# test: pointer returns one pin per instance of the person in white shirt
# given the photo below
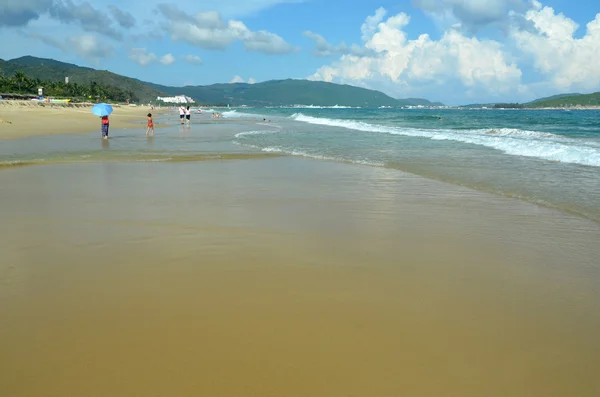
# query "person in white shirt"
(188, 114)
(181, 113)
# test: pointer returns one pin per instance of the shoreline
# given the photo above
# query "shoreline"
(211, 131)
(282, 276)
(21, 119)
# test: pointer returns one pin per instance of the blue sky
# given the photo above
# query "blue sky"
(456, 51)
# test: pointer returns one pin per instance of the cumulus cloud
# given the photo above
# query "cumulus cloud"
(210, 31)
(167, 59)
(142, 57)
(569, 62)
(89, 47)
(237, 79)
(251, 81)
(478, 65)
(193, 59)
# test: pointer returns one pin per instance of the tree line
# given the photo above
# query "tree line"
(20, 83)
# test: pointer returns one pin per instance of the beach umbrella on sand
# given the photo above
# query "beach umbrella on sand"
(102, 109)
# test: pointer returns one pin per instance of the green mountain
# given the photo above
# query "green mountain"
(51, 70)
(282, 93)
(269, 93)
(554, 101)
(563, 101)
(551, 98)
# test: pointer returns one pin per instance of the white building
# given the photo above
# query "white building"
(175, 99)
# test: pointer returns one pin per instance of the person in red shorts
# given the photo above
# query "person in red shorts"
(150, 124)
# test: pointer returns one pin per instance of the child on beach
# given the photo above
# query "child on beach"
(104, 127)
(188, 114)
(150, 124)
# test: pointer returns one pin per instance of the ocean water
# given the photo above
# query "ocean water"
(546, 157)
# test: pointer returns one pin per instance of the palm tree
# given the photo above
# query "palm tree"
(20, 78)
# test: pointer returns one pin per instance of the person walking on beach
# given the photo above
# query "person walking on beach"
(104, 127)
(181, 114)
(150, 124)
(188, 114)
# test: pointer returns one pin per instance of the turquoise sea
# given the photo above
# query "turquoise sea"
(547, 157)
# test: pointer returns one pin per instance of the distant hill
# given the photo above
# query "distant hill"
(478, 106)
(282, 93)
(563, 101)
(269, 93)
(417, 102)
(50, 69)
(554, 101)
(549, 98)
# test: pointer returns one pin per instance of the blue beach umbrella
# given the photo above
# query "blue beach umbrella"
(102, 109)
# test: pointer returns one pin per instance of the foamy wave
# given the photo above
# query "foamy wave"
(318, 107)
(233, 114)
(510, 141)
(248, 133)
(294, 152)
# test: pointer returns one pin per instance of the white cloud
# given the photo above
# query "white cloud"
(86, 46)
(167, 59)
(193, 59)
(142, 57)
(210, 31)
(568, 62)
(239, 79)
(89, 47)
(478, 65)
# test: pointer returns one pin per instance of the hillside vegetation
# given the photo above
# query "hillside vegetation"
(269, 93)
(417, 102)
(567, 101)
(284, 92)
(49, 70)
(20, 83)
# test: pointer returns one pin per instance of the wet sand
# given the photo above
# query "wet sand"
(288, 277)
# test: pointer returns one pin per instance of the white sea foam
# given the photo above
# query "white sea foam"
(510, 141)
(234, 114)
(295, 152)
(318, 107)
(261, 132)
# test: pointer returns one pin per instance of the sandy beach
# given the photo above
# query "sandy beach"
(241, 274)
(20, 119)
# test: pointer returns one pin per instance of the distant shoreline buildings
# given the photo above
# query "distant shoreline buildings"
(175, 99)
